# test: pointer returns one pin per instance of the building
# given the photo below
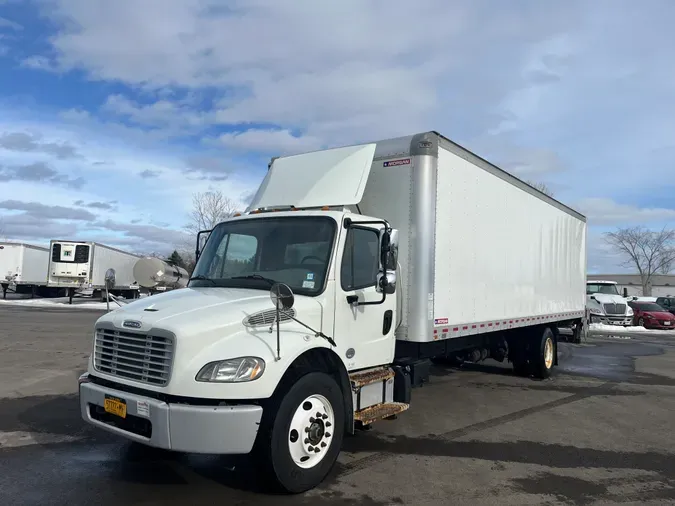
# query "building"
(662, 285)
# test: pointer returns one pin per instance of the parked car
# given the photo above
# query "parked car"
(651, 315)
(667, 303)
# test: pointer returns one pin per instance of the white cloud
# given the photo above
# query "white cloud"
(277, 142)
(8, 23)
(605, 211)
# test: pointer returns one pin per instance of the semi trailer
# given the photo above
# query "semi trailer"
(315, 313)
(23, 267)
(82, 266)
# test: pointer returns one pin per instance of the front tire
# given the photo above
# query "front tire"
(301, 436)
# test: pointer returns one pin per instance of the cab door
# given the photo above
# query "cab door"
(364, 334)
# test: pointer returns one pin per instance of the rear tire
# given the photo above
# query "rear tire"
(310, 414)
(546, 350)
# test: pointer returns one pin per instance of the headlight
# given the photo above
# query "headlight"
(596, 311)
(630, 312)
(234, 370)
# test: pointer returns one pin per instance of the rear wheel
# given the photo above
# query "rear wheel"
(301, 435)
(546, 351)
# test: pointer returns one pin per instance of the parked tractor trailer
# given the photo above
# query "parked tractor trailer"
(315, 313)
(82, 265)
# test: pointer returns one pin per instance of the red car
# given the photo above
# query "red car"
(652, 316)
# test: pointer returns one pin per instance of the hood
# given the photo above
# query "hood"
(605, 298)
(181, 310)
(660, 315)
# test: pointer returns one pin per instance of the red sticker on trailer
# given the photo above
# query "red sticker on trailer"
(394, 163)
(441, 321)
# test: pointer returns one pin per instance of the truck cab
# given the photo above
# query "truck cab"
(606, 305)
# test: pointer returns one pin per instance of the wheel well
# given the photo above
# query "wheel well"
(326, 361)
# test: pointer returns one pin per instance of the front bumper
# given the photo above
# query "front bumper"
(179, 427)
(625, 321)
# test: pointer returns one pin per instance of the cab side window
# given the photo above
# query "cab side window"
(359, 260)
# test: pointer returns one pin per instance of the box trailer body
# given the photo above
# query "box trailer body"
(23, 264)
(83, 265)
(480, 250)
(376, 258)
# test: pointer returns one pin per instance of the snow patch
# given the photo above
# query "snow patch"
(60, 303)
(617, 329)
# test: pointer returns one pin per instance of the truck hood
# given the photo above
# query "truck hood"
(605, 298)
(180, 311)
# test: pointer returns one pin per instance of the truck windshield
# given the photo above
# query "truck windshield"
(291, 250)
(599, 288)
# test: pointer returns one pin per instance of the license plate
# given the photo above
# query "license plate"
(115, 406)
(666, 323)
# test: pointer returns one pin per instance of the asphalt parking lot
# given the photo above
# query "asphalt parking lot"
(598, 432)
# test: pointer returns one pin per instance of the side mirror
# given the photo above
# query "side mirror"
(389, 250)
(386, 282)
(386, 278)
(199, 246)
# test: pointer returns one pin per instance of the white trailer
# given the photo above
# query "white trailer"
(23, 267)
(378, 258)
(82, 266)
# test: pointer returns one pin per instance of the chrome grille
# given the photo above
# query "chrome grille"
(267, 317)
(135, 356)
(619, 309)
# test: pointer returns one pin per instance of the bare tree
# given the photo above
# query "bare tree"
(648, 251)
(542, 187)
(208, 209)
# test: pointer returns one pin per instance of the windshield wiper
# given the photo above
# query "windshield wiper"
(200, 277)
(255, 276)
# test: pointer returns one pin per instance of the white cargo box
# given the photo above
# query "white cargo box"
(23, 264)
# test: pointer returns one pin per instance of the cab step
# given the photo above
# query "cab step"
(373, 395)
(369, 376)
(380, 412)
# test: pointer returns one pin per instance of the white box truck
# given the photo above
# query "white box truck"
(376, 258)
(82, 266)
(22, 267)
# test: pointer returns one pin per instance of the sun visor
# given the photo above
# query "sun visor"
(331, 177)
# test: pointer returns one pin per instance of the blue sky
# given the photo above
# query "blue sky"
(113, 114)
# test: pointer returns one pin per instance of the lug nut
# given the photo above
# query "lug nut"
(306, 429)
(316, 450)
(324, 416)
(312, 420)
(306, 441)
(323, 445)
(328, 424)
(310, 449)
(327, 434)
(318, 414)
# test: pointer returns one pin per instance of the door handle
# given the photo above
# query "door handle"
(352, 299)
(388, 319)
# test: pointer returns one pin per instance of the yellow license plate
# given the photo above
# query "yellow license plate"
(115, 406)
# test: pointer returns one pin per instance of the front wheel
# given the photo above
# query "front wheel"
(301, 437)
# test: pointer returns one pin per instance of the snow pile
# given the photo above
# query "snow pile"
(60, 302)
(617, 329)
